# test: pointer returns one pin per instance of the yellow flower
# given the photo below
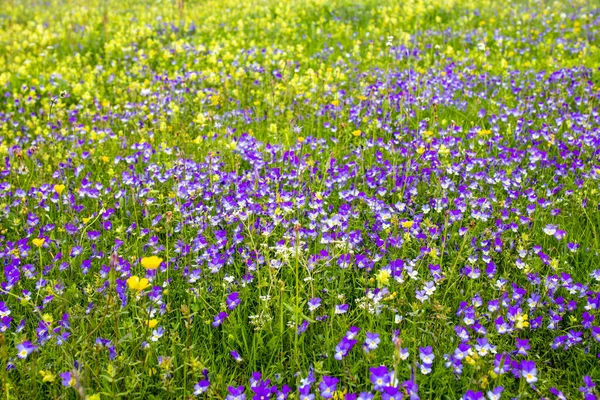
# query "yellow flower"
(48, 318)
(300, 139)
(152, 323)
(135, 283)
(407, 224)
(356, 133)
(59, 189)
(95, 396)
(38, 242)
(383, 277)
(522, 321)
(151, 262)
(420, 150)
(47, 376)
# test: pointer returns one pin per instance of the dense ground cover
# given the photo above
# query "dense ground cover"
(308, 199)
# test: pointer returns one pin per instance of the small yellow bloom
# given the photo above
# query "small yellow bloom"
(484, 382)
(48, 318)
(383, 277)
(47, 376)
(152, 323)
(95, 396)
(356, 133)
(151, 262)
(300, 139)
(85, 220)
(335, 103)
(59, 189)
(407, 224)
(38, 242)
(420, 150)
(135, 283)
(522, 321)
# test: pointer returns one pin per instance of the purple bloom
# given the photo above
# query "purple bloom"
(372, 342)
(559, 395)
(522, 346)
(472, 395)
(588, 386)
(341, 308)
(426, 354)
(379, 377)
(24, 349)
(495, 393)
(67, 379)
(219, 318)
(236, 356)
(302, 327)
(233, 300)
(327, 386)
(313, 304)
(235, 393)
(201, 386)
(343, 348)
(391, 393)
(305, 393)
(352, 332)
(529, 371)
(261, 389)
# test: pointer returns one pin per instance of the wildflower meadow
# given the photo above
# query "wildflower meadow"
(299, 199)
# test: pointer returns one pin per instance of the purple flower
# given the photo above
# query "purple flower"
(352, 332)
(233, 300)
(529, 371)
(24, 349)
(379, 377)
(495, 393)
(4, 310)
(236, 356)
(302, 327)
(588, 385)
(235, 393)
(67, 379)
(426, 354)
(261, 389)
(305, 393)
(391, 393)
(522, 346)
(343, 348)
(501, 364)
(219, 318)
(472, 395)
(327, 386)
(313, 304)
(283, 393)
(559, 395)
(371, 342)
(201, 387)
(341, 308)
